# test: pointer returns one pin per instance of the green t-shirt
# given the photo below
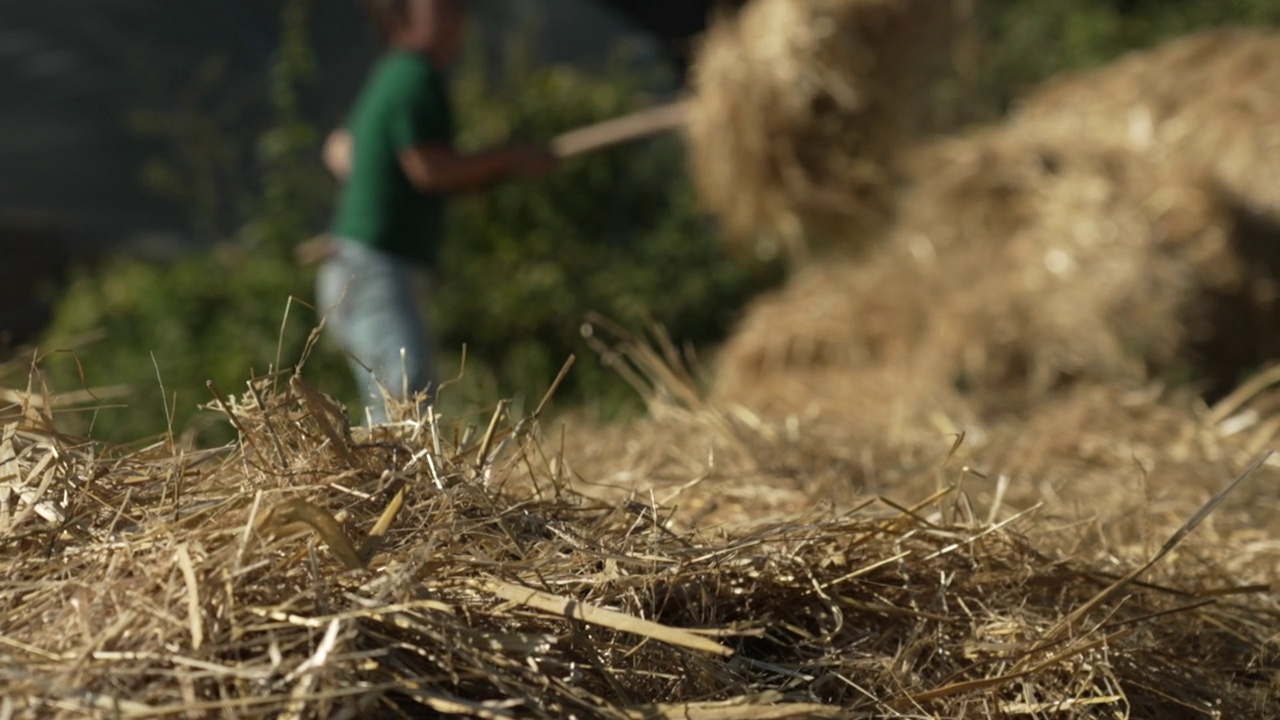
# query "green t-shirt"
(404, 103)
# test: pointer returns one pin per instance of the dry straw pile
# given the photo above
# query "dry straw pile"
(799, 108)
(427, 572)
(1116, 230)
(1023, 263)
(1208, 101)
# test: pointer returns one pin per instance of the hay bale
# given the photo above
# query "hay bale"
(799, 106)
(1209, 101)
(1059, 262)
(1022, 263)
(835, 330)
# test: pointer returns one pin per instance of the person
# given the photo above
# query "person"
(397, 162)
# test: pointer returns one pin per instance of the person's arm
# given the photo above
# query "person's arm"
(441, 169)
(338, 153)
(415, 119)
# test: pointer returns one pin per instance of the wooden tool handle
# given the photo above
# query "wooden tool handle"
(620, 130)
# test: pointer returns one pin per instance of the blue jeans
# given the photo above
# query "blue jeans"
(371, 301)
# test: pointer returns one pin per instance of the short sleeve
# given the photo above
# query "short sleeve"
(417, 111)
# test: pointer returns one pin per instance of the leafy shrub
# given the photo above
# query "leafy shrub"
(1017, 44)
(214, 316)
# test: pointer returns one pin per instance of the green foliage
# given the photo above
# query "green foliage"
(1021, 43)
(295, 190)
(210, 317)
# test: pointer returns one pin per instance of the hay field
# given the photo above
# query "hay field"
(1009, 458)
(701, 563)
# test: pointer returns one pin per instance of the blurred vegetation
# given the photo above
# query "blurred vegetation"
(200, 166)
(617, 232)
(1016, 44)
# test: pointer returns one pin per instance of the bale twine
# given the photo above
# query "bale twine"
(1210, 101)
(798, 107)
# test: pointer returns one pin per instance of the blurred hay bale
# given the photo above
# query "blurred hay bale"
(1025, 261)
(1060, 261)
(799, 106)
(1209, 101)
(837, 330)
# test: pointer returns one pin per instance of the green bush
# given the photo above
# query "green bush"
(1021, 43)
(214, 316)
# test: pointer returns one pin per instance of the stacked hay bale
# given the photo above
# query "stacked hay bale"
(800, 107)
(1060, 261)
(1017, 267)
(1208, 100)
(1024, 257)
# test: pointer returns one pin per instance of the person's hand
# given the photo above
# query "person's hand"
(338, 153)
(533, 161)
